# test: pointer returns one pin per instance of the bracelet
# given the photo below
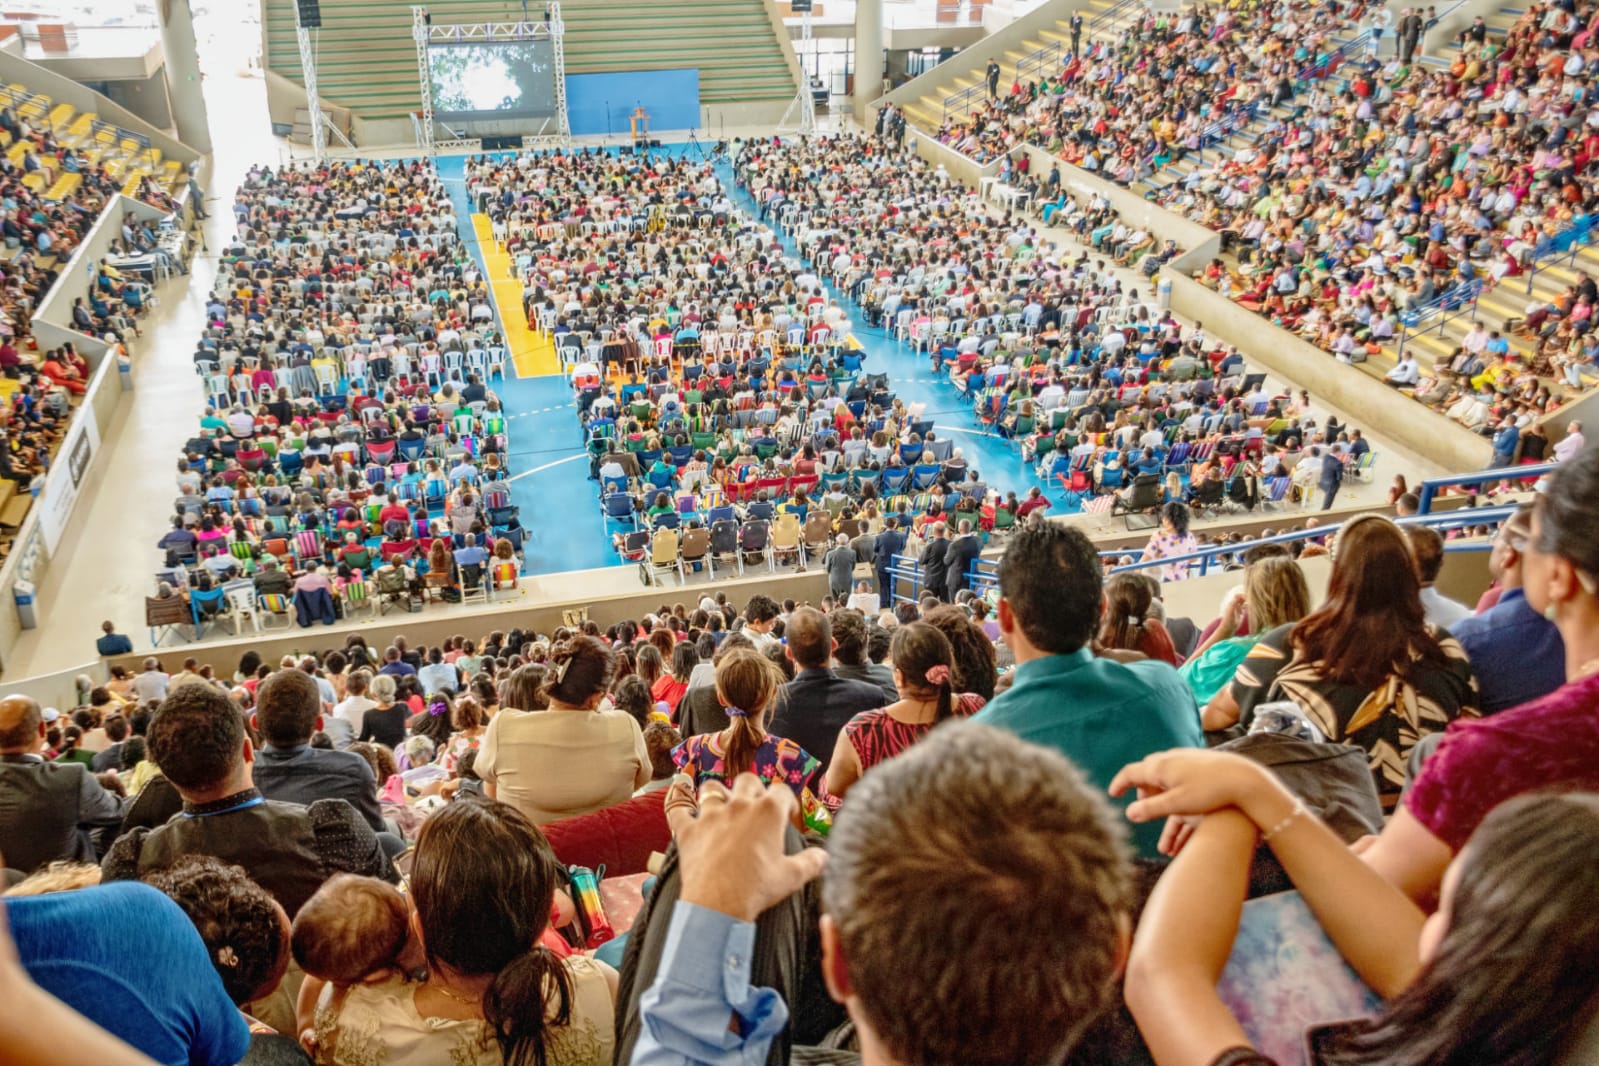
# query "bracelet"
(1299, 809)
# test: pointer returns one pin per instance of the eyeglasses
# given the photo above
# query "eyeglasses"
(1514, 543)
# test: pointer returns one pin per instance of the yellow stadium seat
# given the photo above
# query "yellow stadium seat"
(61, 116)
(34, 181)
(65, 186)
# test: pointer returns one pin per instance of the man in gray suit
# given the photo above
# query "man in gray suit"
(48, 810)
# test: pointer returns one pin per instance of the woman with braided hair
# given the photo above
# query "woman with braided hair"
(924, 672)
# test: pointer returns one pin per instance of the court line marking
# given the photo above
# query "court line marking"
(546, 466)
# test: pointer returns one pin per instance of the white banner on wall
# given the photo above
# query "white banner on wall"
(66, 475)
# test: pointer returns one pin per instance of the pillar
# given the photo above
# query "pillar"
(868, 58)
(186, 94)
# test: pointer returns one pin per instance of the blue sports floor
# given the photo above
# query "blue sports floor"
(559, 504)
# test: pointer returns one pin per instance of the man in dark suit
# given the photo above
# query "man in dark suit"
(993, 78)
(1330, 477)
(47, 809)
(1077, 29)
(890, 542)
(962, 550)
(817, 703)
(935, 561)
(288, 709)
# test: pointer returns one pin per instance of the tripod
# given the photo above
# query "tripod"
(695, 145)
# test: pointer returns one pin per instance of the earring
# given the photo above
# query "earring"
(1549, 612)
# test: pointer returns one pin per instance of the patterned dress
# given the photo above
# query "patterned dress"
(777, 759)
(1387, 722)
(877, 736)
(378, 1025)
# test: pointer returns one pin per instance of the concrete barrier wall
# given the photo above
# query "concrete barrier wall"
(962, 168)
(1441, 441)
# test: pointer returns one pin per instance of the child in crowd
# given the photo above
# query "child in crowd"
(353, 931)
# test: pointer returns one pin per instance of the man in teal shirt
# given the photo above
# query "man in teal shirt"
(1101, 714)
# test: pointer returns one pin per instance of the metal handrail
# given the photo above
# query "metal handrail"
(1429, 489)
(1317, 70)
(983, 573)
(1456, 302)
(1465, 516)
(1565, 245)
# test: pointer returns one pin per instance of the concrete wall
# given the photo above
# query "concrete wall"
(145, 97)
(962, 168)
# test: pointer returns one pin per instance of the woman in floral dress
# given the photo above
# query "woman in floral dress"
(747, 684)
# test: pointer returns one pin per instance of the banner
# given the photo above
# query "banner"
(66, 475)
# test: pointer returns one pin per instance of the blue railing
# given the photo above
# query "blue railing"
(1563, 247)
(983, 573)
(1458, 301)
(1429, 489)
(1325, 65)
(1229, 124)
(1465, 516)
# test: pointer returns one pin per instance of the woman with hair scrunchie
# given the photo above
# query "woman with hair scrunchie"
(924, 673)
(748, 685)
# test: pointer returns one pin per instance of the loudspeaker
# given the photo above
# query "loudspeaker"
(500, 143)
(799, 7)
(309, 12)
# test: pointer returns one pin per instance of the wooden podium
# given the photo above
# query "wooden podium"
(639, 121)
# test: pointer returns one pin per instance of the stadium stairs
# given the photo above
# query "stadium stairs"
(367, 58)
(1048, 31)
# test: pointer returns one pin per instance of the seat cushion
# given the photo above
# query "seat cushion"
(620, 838)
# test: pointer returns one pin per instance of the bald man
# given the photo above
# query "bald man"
(48, 810)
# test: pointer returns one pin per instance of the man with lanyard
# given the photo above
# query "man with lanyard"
(199, 741)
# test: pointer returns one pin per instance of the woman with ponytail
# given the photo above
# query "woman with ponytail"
(747, 686)
(482, 883)
(924, 673)
(1131, 629)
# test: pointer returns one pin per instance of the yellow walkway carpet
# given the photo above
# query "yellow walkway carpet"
(533, 353)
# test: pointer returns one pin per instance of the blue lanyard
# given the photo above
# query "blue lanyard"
(246, 805)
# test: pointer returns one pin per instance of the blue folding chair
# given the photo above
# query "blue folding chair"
(618, 508)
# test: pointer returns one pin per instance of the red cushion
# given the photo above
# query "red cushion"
(619, 838)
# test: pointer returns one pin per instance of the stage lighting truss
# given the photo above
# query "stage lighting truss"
(425, 33)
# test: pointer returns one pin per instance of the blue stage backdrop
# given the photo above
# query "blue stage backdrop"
(672, 97)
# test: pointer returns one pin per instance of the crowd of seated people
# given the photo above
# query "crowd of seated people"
(1386, 189)
(1097, 386)
(1425, 789)
(351, 429)
(716, 386)
(39, 235)
(1125, 107)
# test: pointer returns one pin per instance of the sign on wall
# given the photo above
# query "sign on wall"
(66, 476)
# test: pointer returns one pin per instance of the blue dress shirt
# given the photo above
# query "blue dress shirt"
(703, 983)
